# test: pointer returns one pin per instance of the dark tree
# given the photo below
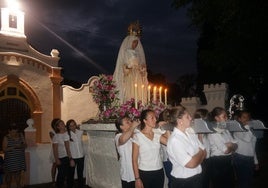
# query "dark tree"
(232, 47)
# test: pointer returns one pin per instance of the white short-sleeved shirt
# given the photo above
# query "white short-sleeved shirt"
(163, 147)
(206, 144)
(246, 142)
(51, 155)
(181, 147)
(149, 151)
(76, 146)
(59, 139)
(125, 153)
(217, 143)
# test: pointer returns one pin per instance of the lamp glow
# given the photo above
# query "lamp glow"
(13, 4)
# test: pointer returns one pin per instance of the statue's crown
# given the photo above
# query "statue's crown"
(134, 29)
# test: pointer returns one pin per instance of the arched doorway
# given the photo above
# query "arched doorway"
(19, 100)
(13, 110)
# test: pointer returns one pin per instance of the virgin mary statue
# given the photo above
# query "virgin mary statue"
(130, 72)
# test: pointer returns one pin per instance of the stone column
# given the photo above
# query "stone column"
(30, 139)
(102, 165)
(30, 134)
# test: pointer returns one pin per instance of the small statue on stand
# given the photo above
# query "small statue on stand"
(30, 123)
(30, 133)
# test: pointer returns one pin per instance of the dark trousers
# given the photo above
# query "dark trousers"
(222, 171)
(126, 184)
(62, 171)
(79, 165)
(244, 168)
(152, 179)
(206, 173)
(168, 168)
(191, 182)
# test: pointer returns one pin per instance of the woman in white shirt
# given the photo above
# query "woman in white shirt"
(123, 142)
(146, 156)
(222, 146)
(245, 159)
(185, 151)
(77, 153)
(61, 151)
(203, 137)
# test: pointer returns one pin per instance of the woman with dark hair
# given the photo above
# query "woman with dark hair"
(14, 155)
(222, 146)
(185, 151)
(77, 153)
(61, 151)
(163, 124)
(245, 158)
(202, 113)
(146, 154)
(123, 142)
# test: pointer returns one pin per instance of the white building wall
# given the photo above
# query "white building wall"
(78, 104)
(216, 95)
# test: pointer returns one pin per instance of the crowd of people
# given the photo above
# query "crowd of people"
(67, 155)
(148, 151)
(209, 160)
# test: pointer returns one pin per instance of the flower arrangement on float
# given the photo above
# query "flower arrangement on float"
(128, 109)
(106, 96)
(104, 93)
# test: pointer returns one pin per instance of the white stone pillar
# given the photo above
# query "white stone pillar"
(101, 163)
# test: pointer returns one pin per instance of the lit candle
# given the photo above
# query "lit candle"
(149, 94)
(160, 94)
(165, 96)
(154, 94)
(142, 97)
(136, 96)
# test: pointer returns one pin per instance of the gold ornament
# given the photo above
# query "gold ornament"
(134, 29)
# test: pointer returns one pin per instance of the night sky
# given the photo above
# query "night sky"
(88, 34)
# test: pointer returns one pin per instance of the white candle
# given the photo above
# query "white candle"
(165, 96)
(154, 94)
(136, 96)
(149, 94)
(160, 94)
(142, 95)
